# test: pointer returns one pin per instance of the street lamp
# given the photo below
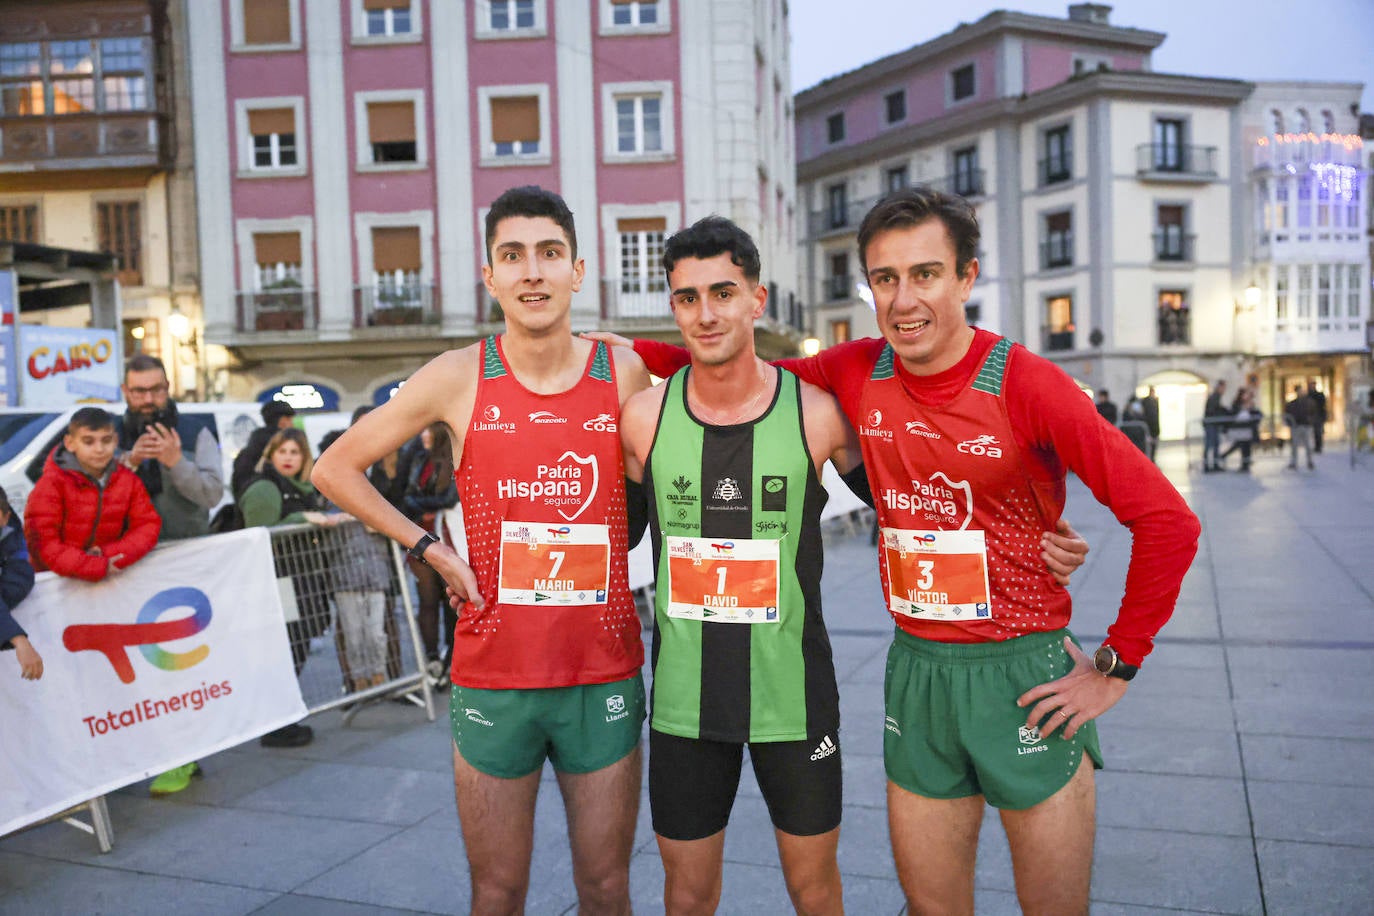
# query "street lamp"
(811, 346)
(1252, 296)
(178, 324)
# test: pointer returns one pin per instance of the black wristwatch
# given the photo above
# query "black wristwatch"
(1109, 663)
(418, 551)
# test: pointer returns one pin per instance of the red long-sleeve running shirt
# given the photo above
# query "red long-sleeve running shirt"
(1056, 429)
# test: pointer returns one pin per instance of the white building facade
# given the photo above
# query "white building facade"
(1114, 201)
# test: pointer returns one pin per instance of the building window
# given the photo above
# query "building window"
(641, 255)
(277, 301)
(266, 22)
(1305, 206)
(1281, 294)
(515, 128)
(968, 179)
(1167, 152)
(19, 224)
(1058, 162)
(398, 292)
(1171, 243)
(1352, 292)
(74, 77)
(961, 83)
(120, 231)
(1057, 250)
(274, 137)
(837, 206)
(894, 103)
(834, 128)
(839, 331)
(391, 132)
(639, 124)
(509, 15)
(1059, 323)
(1324, 291)
(837, 284)
(634, 12)
(387, 17)
(1304, 292)
(1174, 327)
(897, 178)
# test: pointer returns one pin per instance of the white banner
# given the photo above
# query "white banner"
(181, 655)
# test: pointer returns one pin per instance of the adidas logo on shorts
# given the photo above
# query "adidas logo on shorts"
(824, 749)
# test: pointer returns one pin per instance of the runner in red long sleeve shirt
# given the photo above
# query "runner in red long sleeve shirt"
(967, 440)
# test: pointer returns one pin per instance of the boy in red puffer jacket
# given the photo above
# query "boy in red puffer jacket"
(88, 515)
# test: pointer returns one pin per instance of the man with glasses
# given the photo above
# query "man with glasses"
(185, 483)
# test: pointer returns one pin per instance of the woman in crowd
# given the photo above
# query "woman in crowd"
(431, 490)
(280, 493)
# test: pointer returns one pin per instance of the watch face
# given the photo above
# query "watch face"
(1104, 659)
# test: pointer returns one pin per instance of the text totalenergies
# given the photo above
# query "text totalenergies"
(77, 356)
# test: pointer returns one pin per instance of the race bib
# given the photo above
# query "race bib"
(555, 564)
(937, 575)
(723, 580)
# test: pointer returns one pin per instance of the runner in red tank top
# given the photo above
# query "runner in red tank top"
(547, 645)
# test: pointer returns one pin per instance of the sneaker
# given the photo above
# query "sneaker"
(175, 779)
(435, 669)
(295, 735)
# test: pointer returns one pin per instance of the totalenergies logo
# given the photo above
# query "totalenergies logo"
(724, 548)
(78, 356)
(114, 639)
(561, 533)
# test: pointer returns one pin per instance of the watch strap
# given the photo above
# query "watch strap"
(417, 552)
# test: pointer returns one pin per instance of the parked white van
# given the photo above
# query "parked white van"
(29, 434)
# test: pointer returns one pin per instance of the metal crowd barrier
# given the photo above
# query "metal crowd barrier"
(315, 563)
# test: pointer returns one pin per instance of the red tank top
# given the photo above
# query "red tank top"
(542, 487)
(952, 476)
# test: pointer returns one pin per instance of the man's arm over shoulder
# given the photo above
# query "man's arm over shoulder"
(1045, 401)
(201, 480)
(829, 436)
(631, 375)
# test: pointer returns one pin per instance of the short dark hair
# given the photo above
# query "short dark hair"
(4, 502)
(92, 418)
(274, 410)
(913, 206)
(142, 363)
(711, 236)
(531, 200)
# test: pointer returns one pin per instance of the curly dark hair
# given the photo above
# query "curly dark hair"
(531, 200)
(708, 237)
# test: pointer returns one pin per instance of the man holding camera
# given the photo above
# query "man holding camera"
(183, 483)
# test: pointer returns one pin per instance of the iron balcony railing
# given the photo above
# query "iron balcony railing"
(1177, 159)
(391, 304)
(286, 308)
(1170, 245)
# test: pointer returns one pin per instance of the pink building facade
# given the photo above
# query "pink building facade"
(347, 150)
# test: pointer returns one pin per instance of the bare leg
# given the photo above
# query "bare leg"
(692, 874)
(812, 871)
(1052, 847)
(497, 817)
(602, 807)
(934, 842)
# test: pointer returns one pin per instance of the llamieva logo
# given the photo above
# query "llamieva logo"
(114, 639)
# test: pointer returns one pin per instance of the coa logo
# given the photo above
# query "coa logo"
(984, 445)
(603, 423)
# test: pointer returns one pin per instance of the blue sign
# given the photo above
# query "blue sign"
(302, 396)
(387, 392)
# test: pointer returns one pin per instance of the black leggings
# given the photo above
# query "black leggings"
(431, 589)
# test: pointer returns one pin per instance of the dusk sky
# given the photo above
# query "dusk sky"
(1323, 40)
